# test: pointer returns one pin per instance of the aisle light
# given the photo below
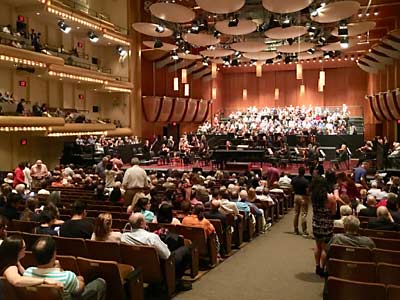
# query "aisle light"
(320, 86)
(322, 77)
(244, 94)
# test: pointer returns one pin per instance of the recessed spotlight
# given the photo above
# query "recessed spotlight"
(93, 37)
(38, 13)
(344, 42)
(160, 28)
(174, 55)
(63, 26)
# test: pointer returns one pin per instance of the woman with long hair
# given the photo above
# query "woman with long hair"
(12, 250)
(103, 229)
(165, 215)
(143, 206)
(324, 208)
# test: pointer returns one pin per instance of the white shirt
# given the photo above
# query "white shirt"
(135, 177)
(143, 237)
(228, 207)
(28, 178)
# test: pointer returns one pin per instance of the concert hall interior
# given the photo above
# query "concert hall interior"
(171, 147)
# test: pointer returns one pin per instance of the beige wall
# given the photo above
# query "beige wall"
(12, 152)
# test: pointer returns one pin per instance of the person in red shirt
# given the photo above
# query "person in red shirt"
(19, 176)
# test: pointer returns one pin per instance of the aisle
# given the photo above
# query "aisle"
(277, 265)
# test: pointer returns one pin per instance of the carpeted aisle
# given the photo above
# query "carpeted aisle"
(277, 265)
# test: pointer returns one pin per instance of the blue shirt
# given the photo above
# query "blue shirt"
(359, 172)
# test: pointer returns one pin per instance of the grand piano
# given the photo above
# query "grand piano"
(221, 157)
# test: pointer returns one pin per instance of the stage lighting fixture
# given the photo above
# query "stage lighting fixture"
(160, 28)
(263, 27)
(205, 61)
(312, 30)
(203, 24)
(279, 56)
(253, 62)
(328, 54)
(158, 44)
(212, 47)
(290, 41)
(174, 55)
(235, 62)
(311, 51)
(238, 54)
(287, 59)
(344, 42)
(122, 52)
(286, 22)
(343, 29)
(233, 22)
(217, 34)
(93, 37)
(314, 11)
(63, 26)
(322, 40)
(195, 28)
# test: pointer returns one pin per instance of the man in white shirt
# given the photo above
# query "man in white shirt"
(39, 172)
(135, 181)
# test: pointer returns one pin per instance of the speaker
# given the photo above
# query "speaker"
(195, 170)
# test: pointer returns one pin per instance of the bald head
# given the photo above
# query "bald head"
(215, 204)
(137, 221)
(383, 212)
(371, 200)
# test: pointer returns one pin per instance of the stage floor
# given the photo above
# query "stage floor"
(291, 169)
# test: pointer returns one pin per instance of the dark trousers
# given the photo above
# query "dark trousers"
(183, 259)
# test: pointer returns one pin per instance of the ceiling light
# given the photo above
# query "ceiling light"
(279, 56)
(212, 47)
(376, 13)
(174, 55)
(290, 41)
(238, 54)
(158, 44)
(286, 22)
(235, 62)
(233, 22)
(263, 27)
(93, 37)
(160, 28)
(269, 61)
(195, 28)
(253, 62)
(203, 25)
(63, 26)
(205, 61)
(314, 11)
(226, 60)
(322, 40)
(311, 51)
(122, 52)
(328, 54)
(344, 42)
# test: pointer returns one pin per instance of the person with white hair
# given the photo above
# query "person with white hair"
(345, 210)
(384, 221)
(377, 192)
(39, 173)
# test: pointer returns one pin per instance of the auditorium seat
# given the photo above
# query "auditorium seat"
(392, 292)
(342, 289)
(389, 244)
(47, 292)
(71, 246)
(154, 270)
(111, 272)
(66, 262)
(224, 236)
(350, 253)
(388, 274)
(381, 234)
(23, 226)
(30, 239)
(386, 256)
(352, 270)
(103, 250)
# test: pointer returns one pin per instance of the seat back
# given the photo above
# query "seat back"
(23, 226)
(354, 290)
(30, 239)
(28, 260)
(350, 253)
(196, 235)
(103, 250)
(69, 263)
(388, 273)
(144, 257)
(381, 234)
(386, 256)
(7, 290)
(48, 292)
(71, 246)
(392, 292)
(352, 270)
(91, 269)
(389, 244)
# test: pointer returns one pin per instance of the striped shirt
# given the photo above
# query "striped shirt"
(67, 278)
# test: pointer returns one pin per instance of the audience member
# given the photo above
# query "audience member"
(78, 226)
(370, 211)
(345, 210)
(384, 221)
(301, 201)
(135, 181)
(197, 219)
(103, 229)
(165, 215)
(46, 220)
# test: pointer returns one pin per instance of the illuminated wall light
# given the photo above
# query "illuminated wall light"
(276, 94)
(117, 89)
(302, 90)
(320, 86)
(176, 84)
(214, 93)
(299, 71)
(245, 94)
(214, 70)
(184, 75)
(322, 77)
(187, 90)
(258, 70)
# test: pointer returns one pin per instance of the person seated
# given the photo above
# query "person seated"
(345, 210)
(143, 206)
(197, 219)
(384, 221)
(140, 236)
(46, 220)
(351, 237)
(165, 215)
(29, 213)
(370, 211)
(241, 206)
(3, 227)
(12, 250)
(284, 181)
(44, 251)
(78, 226)
(215, 214)
(392, 205)
(103, 229)
(375, 191)
(10, 210)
